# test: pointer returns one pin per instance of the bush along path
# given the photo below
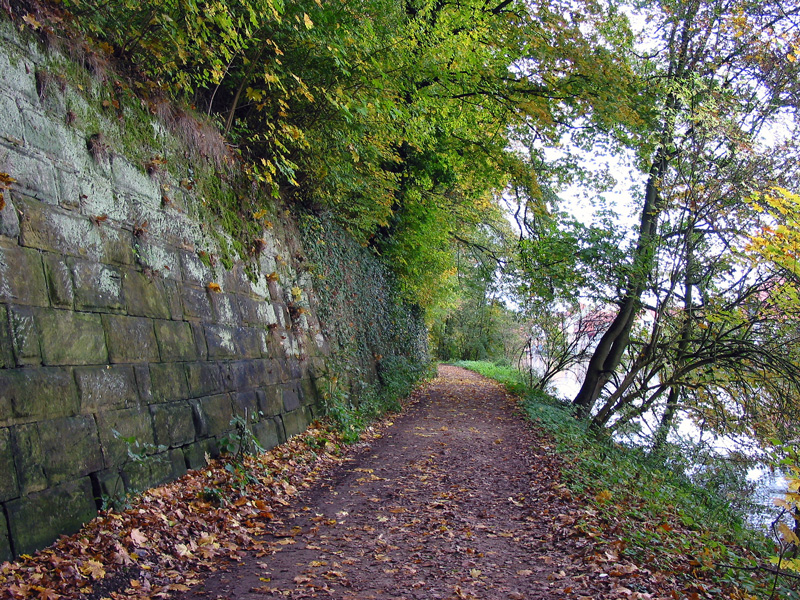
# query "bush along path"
(460, 497)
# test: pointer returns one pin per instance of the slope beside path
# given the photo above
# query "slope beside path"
(460, 498)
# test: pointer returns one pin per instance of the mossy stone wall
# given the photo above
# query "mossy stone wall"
(122, 313)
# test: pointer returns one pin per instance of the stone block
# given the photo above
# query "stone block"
(99, 199)
(62, 509)
(308, 392)
(256, 312)
(296, 421)
(28, 458)
(97, 286)
(54, 230)
(69, 191)
(234, 279)
(22, 277)
(145, 296)
(18, 75)
(130, 178)
(248, 374)
(196, 305)
(266, 432)
(177, 464)
(9, 484)
(290, 397)
(6, 353)
(36, 393)
(9, 219)
(72, 448)
(109, 489)
(172, 290)
(249, 342)
(221, 342)
(270, 402)
(213, 415)
(194, 455)
(173, 424)
(159, 259)
(106, 388)
(194, 271)
(168, 382)
(124, 430)
(5, 544)
(204, 378)
(130, 339)
(117, 247)
(146, 473)
(199, 334)
(35, 176)
(144, 382)
(280, 428)
(10, 118)
(59, 281)
(226, 309)
(175, 340)
(43, 133)
(71, 338)
(246, 404)
(25, 341)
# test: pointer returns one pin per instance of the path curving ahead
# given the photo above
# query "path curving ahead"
(458, 499)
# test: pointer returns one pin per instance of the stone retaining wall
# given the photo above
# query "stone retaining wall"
(116, 331)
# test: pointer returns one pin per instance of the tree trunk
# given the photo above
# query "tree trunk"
(608, 354)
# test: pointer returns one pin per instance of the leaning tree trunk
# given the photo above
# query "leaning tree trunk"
(608, 354)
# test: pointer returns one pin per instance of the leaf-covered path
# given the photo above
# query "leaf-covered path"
(460, 498)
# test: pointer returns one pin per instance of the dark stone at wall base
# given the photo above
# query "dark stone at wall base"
(269, 400)
(6, 355)
(5, 543)
(62, 509)
(28, 458)
(266, 432)
(135, 429)
(173, 424)
(245, 404)
(71, 446)
(194, 456)
(109, 489)
(146, 473)
(9, 485)
(291, 399)
(213, 415)
(296, 422)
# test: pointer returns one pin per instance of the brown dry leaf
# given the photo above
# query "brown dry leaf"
(138, 538)
(94, 569)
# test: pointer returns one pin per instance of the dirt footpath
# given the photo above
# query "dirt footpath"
(458, 499)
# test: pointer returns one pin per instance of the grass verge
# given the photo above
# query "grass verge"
(652, 514)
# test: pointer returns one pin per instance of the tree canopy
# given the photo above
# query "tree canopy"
(416, 124)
